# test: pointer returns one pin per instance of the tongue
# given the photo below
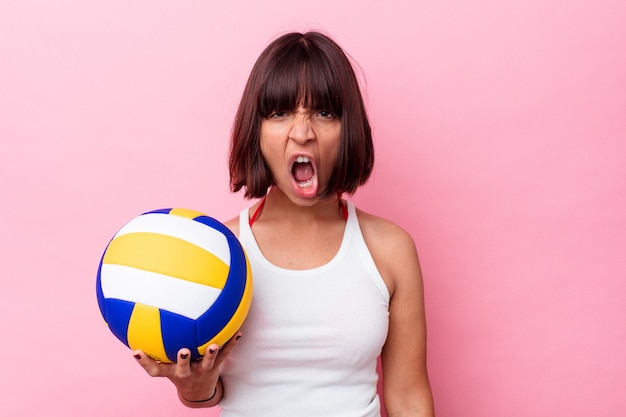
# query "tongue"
(302, 172)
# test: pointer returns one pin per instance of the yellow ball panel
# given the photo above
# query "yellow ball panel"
(168, 256)
(144, 332)
(186, 213)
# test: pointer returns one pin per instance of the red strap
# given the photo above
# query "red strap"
(257, 211)
(344, 208)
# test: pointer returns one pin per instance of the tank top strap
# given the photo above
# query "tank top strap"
(349, 211)
(245, 232)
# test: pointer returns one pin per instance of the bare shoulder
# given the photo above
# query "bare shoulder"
(392, 248)
(375, 228)
(233, 225)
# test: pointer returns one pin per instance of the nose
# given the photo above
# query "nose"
(301, 130)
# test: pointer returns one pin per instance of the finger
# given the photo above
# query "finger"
(230, 344)
(208, 360)
(228, 348)
(151, 366)
(182, 368)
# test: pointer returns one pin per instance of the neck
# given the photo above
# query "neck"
(277, 206)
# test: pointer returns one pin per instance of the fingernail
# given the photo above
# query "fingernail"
(137, 356)
(184, 355)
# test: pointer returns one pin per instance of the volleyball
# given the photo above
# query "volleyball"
(174, 278)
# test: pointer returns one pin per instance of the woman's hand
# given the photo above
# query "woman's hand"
(198, 382)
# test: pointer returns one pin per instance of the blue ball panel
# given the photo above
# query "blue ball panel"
(99, 293)
(160, 211)
(118, 314)
(215, 224)
(221, 312)
(178, 332)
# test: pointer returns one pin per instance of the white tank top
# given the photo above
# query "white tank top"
(312, 337)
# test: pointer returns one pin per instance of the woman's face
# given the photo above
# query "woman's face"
(300, 148)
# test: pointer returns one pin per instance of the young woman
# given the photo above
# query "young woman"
(335, 287)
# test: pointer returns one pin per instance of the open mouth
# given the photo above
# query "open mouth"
(304, 178)
(303, 171)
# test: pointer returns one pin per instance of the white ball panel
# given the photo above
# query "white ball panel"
(194, 232)
(179, 296)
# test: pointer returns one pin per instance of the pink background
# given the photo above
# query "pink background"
(501, 146)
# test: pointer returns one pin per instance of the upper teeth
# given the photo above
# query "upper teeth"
(302, 160)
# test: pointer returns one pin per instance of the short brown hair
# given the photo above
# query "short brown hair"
(308, 68)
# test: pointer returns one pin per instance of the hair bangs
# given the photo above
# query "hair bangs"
(301, 76)
(321, 88)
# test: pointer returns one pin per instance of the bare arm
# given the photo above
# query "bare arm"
(406, 388)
